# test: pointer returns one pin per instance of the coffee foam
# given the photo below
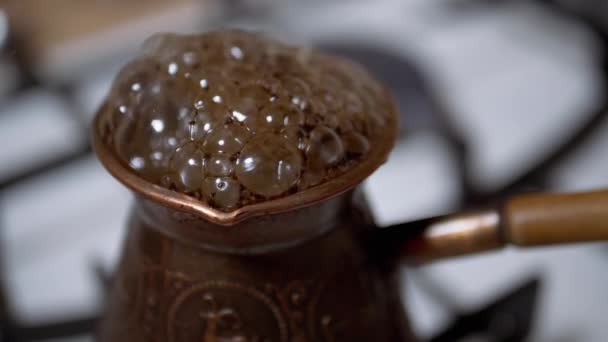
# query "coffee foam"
(234, 118)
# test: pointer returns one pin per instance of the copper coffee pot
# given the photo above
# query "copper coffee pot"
(294, 259)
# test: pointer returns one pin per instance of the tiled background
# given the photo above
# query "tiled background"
(514, 78)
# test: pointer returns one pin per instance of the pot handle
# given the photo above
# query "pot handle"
(524, 220)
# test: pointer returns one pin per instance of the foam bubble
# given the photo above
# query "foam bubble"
(234, 117)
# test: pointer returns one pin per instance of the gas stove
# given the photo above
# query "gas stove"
(496, 98)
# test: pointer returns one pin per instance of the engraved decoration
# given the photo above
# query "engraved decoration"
(225, 311)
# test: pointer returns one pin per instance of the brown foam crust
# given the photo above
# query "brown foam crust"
(235, 118)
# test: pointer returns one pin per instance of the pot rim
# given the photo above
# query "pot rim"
(376, 156)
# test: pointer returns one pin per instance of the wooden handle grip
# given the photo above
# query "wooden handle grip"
(544, 219)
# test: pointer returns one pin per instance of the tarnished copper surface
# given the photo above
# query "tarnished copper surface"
(456, 235)
(441, 237)
(327, 289)
(256, 235)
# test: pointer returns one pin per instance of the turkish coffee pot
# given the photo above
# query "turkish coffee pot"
(245, 156)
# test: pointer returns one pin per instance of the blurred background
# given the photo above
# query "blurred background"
(497, 97)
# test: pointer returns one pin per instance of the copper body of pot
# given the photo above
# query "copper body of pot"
(310, 266)
(171, 288)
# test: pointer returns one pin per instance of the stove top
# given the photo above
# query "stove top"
(496, 98)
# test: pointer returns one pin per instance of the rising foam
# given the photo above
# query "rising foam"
(234, 118)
